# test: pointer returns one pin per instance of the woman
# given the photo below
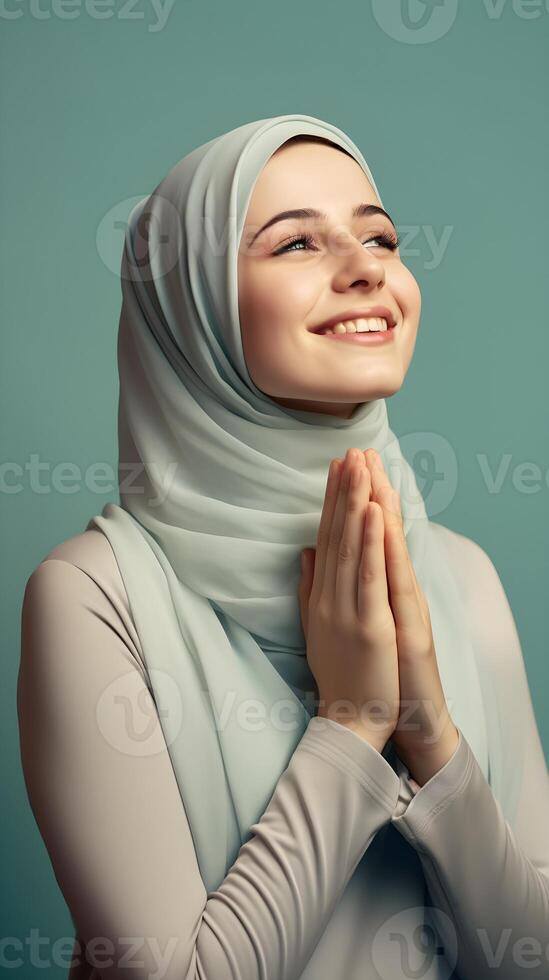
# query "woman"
(240, 769)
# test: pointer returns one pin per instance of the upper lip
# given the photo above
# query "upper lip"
(378, 311)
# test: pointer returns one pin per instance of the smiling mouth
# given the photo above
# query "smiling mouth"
(378, 317)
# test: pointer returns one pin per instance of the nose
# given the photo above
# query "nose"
(359, 266)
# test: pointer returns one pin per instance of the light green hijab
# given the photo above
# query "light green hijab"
(221, 489)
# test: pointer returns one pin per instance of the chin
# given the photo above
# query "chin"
(383, 391)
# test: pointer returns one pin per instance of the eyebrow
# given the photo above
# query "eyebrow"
(306, 214)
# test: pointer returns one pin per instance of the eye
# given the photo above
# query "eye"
(390, 241)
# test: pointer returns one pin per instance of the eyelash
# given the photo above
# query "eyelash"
(391, 242)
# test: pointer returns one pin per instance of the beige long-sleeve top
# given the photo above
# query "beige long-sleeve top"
(347, 876)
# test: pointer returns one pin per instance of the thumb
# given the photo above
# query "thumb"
(305, 585)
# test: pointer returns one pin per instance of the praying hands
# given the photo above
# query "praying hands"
(367, 623)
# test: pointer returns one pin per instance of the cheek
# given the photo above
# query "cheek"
(258, 311)
(271, 302)
(406, 291)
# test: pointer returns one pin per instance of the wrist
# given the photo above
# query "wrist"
(374, 737)
(423, 765)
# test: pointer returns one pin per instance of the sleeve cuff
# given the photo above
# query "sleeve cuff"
(418, 805)
(349, 751)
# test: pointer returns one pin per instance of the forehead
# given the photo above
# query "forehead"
(309, 175)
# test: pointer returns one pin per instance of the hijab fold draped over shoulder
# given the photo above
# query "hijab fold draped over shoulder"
(221, 489)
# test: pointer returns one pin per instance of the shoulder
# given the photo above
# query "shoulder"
(81, 564)
(89, 551)
(76, 589)
(470, 563)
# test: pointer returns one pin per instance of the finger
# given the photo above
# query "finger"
(398, 528)
(403, 591)
(326, 518)
(350, 545)
(380, 480)
(336, 529)
(388, 498)
(394, 526)
(373, 597)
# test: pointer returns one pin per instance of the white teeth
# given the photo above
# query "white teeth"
(372, 324)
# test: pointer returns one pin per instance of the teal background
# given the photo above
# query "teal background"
(96, 111)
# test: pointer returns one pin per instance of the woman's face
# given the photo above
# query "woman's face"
(345, 267)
